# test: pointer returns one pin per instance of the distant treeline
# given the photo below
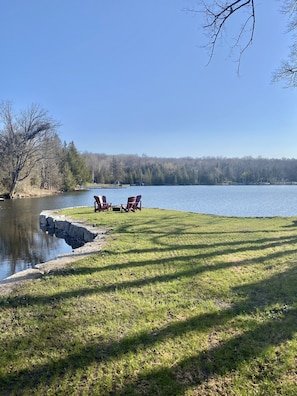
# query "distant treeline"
(64, 168)
(133, 169)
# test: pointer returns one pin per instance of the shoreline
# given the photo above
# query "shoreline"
(15, 281)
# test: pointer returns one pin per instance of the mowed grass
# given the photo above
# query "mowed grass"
(174, 304)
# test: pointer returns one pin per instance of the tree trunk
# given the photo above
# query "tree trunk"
(13, 186)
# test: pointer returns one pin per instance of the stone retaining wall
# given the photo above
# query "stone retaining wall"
(92, 239)
(63, 227)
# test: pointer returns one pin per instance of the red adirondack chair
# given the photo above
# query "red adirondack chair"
(138, 203)
(100, 203)
(133, 204)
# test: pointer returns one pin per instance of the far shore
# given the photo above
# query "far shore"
(32, 193)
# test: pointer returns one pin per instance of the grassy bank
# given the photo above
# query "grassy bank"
(175, 304)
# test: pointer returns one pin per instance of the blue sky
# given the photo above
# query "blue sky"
(130, 77)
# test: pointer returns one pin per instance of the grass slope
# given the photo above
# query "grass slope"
(175, 304)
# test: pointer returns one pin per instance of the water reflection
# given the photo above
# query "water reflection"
(22, 243)
(71, 241)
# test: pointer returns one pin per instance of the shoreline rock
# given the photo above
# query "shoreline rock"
(92, 237)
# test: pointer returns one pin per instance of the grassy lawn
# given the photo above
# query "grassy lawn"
(175, 304)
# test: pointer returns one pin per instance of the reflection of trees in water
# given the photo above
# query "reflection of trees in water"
(22, 243)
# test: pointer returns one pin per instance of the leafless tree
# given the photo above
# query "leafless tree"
(219, 14)
(25, 140)
(288, 68)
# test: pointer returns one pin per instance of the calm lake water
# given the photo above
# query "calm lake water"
(23, 244)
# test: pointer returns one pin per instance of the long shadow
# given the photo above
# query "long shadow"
(116, 286)
(255, 244)
(137, 283)
(200, 366)
(265, 243)
(197, 369)
(292, 225)
(156, 236)
(180, 230)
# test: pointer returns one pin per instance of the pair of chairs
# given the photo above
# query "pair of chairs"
(133, 204)
(100, 203)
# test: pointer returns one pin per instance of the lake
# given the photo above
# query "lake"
(23, 244)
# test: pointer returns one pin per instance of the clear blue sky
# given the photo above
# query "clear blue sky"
(130, 77)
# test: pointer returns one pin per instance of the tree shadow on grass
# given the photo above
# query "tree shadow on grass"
(278, 326)
(187, 272)
(217, 360)
(183, 270)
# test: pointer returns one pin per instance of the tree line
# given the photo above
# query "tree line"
(133, 169)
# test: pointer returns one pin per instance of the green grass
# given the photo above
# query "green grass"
(174, 304)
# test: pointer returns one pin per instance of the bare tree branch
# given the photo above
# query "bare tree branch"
(219, 14)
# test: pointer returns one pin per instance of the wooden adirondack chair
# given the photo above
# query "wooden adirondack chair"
(130, 204)
(138, 203)
(133, 204)
(100, 203)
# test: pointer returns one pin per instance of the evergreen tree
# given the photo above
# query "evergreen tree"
(73, 168)
(77, 165)
(68, 181)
